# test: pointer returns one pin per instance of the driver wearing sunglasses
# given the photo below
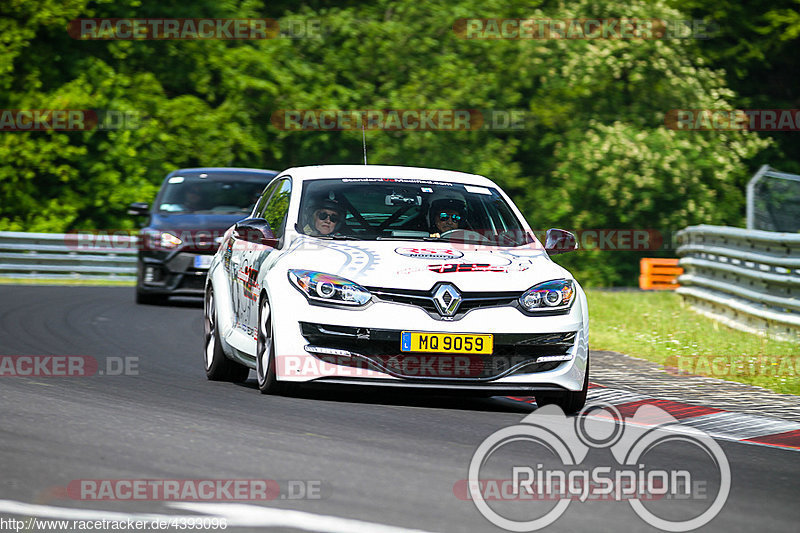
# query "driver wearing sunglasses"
(326, 218)
(448, 220)
(446, 215)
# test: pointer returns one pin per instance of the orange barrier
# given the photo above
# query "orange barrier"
(659, 274)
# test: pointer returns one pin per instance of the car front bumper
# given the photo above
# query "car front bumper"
(176, 274)
(362, 347)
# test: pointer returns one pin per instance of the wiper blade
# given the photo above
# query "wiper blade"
(393, 238)
(337, 237)
(411, 238)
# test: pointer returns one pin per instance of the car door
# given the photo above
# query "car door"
(257, 256)
(238, 271)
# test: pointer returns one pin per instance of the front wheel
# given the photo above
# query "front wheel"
(265, 352)
(144, 298)
(218, 366)
(569, 402)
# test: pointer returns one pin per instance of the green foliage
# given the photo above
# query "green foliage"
(596, 155)
(756, 45)
(659, 327)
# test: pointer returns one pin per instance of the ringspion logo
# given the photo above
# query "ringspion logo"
(640, 474)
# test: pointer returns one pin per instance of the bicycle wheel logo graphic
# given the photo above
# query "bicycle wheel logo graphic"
(569, 440)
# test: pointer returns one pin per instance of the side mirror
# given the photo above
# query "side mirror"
(139, 209)
(559, 242)
(255, 230)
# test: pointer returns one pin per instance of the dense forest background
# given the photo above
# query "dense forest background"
(597, 153)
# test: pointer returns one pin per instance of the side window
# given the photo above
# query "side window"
(262, 201)
(278, 206)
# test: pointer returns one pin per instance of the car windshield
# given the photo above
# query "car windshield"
(398, 209)
(209, 195)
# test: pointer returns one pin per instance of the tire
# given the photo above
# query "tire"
(144, 298)
(218, 366)
(569, 402)
(265, 353)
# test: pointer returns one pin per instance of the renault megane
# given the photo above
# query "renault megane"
(386, 276)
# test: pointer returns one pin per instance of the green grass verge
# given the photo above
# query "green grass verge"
(87, 282)
(656, 326)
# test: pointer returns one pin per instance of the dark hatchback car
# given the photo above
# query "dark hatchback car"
(193, 209)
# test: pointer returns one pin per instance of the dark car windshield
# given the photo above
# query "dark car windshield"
(385, 209)
(209, 195)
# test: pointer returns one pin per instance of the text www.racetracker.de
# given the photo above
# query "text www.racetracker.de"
(182, 522)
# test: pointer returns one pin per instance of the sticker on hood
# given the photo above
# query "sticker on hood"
(429, 253)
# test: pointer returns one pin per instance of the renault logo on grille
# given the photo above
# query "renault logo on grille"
(447, 298)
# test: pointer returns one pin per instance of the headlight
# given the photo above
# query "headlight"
(556, 295)
(168, 240)
(321, 287)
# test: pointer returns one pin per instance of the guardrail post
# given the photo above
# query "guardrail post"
(747, 279)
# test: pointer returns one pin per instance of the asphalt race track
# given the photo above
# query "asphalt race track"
(378, 460)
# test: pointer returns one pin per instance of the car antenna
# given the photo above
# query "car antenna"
(364, 140)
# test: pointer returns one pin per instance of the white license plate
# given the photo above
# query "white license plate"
(203, 261)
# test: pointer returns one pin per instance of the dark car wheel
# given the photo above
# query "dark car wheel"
(150, 299)
(218, 366)
(265, 353)
(570, 402)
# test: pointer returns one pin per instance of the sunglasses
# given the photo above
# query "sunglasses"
(445, 216)
(322, 215)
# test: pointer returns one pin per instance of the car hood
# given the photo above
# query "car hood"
(420, 265)
(190, 222)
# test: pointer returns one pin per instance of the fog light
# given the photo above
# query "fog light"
(149, 274)
(153, 275)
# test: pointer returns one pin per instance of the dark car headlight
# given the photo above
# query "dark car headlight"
(321, 287)
(160, 240)
(556, 295)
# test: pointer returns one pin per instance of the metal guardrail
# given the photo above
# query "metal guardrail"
(772, 200)
(748, 279)
(66, 256)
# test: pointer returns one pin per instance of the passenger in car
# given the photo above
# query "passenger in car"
(325, 217)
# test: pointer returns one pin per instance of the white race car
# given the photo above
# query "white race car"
(388, 276)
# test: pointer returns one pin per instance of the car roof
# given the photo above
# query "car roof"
(255, 174)
(385, 172)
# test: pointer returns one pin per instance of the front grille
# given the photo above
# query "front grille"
(153, 275)
(194, 281)
(379, 349)
(424, 300)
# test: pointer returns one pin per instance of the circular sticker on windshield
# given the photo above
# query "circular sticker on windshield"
(429, 253)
